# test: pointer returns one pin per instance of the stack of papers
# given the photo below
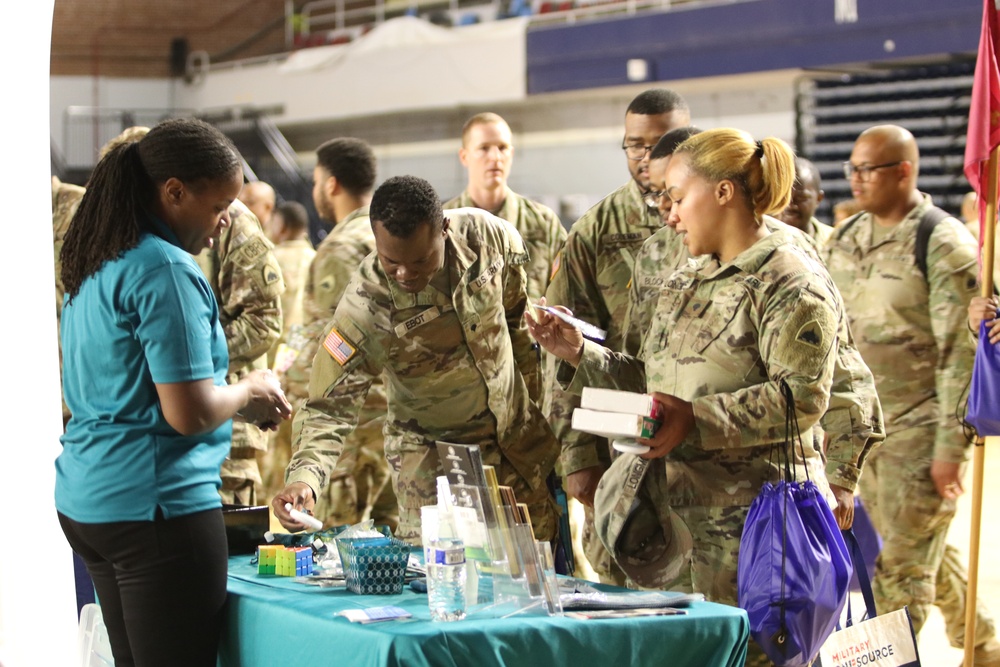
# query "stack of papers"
(374, 614)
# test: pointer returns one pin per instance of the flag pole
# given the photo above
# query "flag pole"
(979, 450)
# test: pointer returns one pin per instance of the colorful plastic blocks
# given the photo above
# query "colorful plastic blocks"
(284, 561)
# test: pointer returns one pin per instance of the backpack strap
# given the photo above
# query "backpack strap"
(841, 230)
(928, 221)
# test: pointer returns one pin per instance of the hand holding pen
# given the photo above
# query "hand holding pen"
(556, 335)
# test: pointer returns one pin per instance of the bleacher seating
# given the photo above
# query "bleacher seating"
(932, 101)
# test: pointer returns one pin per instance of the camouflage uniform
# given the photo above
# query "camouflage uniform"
(818, 232)
(722, 337)
(456, 368)
(540, 228)
(65, 200)
(361, 479)
(247, 283)
(294, 258)
(853, 422)
(543, 236)
(912, 332)
(591, 278)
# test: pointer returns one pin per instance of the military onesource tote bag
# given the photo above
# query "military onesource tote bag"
(877, 641)
(794, 569)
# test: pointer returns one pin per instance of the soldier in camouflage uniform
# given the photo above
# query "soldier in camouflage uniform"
(437, 312)
(245, 277)
(343, 180)
(259, 197)
(487, 153)
(591, 278)
(65, 200)
(288, 230)
(912, 332)
(806, 196)
(753, 310)
(852, 427)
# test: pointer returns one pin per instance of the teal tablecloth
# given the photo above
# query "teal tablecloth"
(274, 621)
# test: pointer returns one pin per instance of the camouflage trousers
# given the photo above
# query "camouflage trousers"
(597, 555)
(916, 568)
(360, 486)
(272, 463)
(240, 478)
(712, 566)
(241, 482)
(415, 468)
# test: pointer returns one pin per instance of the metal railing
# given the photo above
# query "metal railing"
(349, 18)
(262, 145)
(87, 129)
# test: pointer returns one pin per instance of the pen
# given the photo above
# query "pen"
(586, 328)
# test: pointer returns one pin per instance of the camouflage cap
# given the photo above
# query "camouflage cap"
(647, 539)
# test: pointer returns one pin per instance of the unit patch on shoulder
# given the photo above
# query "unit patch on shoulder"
(271, 274)
(339, 348)
(810, 333)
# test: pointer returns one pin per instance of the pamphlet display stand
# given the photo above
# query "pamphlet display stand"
(509, 573)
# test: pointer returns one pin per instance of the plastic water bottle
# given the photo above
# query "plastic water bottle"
(445, 560)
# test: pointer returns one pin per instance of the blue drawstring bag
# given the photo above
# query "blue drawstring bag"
(794, 568)
(869, 542)
(983, 413)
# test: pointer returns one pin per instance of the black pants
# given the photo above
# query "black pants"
(161, 585)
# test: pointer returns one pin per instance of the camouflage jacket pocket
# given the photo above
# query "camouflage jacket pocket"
(717, 317)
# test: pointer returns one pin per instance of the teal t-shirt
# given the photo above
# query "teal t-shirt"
(146, 317)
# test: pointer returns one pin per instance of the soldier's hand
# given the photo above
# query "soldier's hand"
(553, 334)
(678, 422)
(845, 506)
(984, 309)
(301, 497)
(582, 484)
(947, 479)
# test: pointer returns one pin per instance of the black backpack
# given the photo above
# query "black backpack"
(928, 221)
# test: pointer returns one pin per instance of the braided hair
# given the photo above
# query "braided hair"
(123, 187)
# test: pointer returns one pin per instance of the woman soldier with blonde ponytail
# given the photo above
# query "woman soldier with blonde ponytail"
(750, 310)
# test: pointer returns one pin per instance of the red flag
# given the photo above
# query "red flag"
(984, 111)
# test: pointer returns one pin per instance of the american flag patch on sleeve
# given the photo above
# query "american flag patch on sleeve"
(338, 348)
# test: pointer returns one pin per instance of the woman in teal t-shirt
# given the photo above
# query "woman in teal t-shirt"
(144, 376)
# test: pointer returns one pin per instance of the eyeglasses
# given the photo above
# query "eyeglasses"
(636, 151)
(654, 198)
(865, 172)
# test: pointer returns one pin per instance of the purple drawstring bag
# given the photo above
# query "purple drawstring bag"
(794, 568)
(983, 412)
(869, 543)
